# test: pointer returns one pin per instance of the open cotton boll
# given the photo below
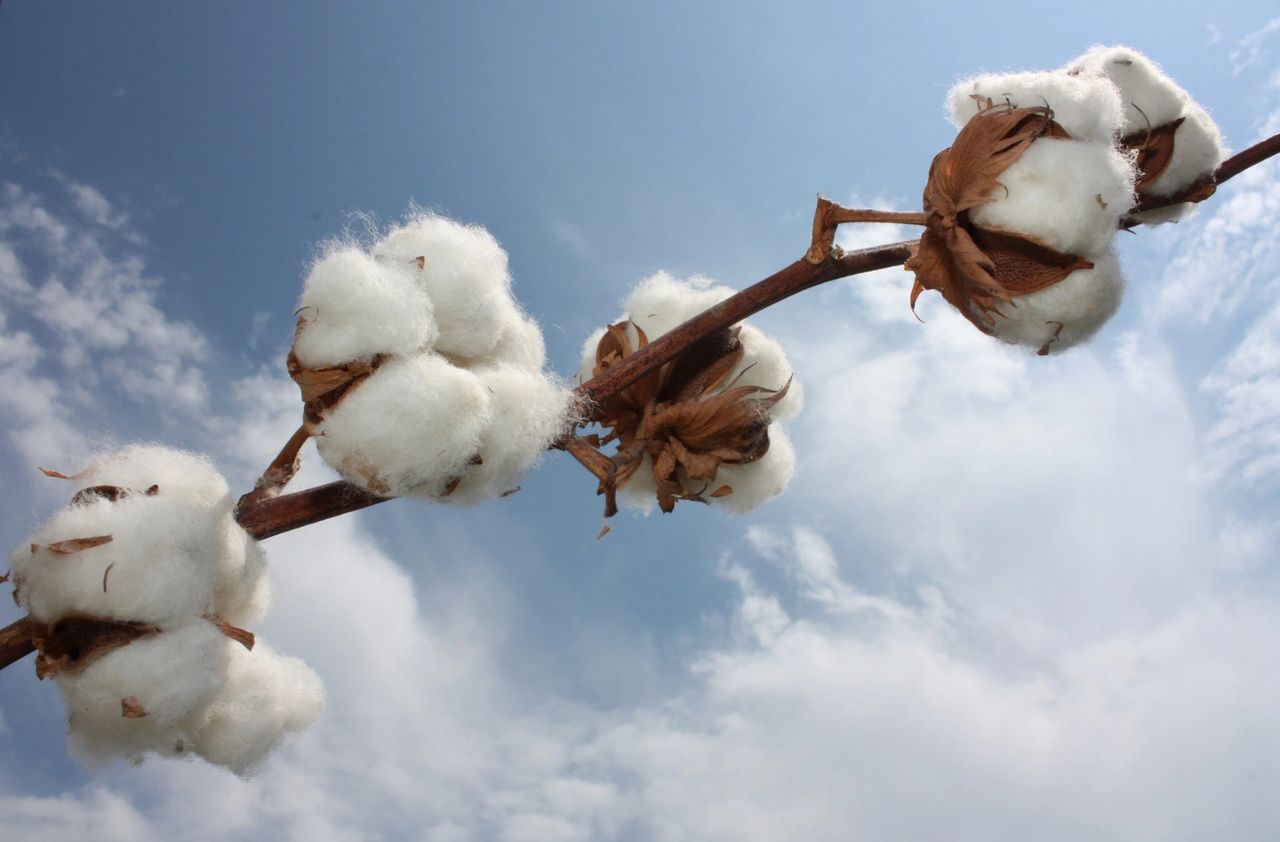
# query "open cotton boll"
(760, 481)
(1068, 194)
(266, 697)
(160, 566)
(354, 307)
(170, 676)
(1067, 313)
(1148, 96)
(764, 363)
(529, 411)
(662, 302)
(1087, 107)
(408, 429)
(464, 271)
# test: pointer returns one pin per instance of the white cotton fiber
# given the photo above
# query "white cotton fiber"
(353, 307)
(1081, 303)
(528, 412)
(174, 552)
(1068, 194)
(1087, 107)
(520, 344)
(464, 272)
(1149, 97)
(160, 567)
(661, 302)
(764, 363)
(409, 429)
(266, 697)
(171, 676)
(760, 481)
(1198, 150)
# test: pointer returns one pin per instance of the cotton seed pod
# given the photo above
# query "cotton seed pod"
(354, 307)
(409, 429)
(1065, 314)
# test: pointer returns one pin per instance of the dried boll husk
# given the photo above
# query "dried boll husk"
(354, 307)
(1065, 314)
(410, 429)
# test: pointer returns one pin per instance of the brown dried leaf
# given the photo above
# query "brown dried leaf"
(722, 491)
(114, 493)
(73, 545)
(56, 474)
(74, 641)
(1155, 150)
(105, 574)
(324, 388)
(604, 530)
(509, 492)
(1022, 265)
(702, 366)
(244, 637)
(131, 708)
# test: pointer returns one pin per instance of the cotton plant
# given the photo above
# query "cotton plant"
(1021, 212)
(137, 595)
(705, 427)
(421, 375)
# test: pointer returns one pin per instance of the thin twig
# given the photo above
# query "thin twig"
(15, 641)
(280, 471)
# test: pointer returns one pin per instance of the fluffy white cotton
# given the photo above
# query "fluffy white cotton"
(464, 272)
(1068, 194)
(1087, 107)
(1198, 149)
(1066, 313)
(528, 412)
(521, 345)
(160, 566)
(171, 675)
(265, 698)
(662, 302)
(353, 307)
(760, 481)
(408, 430)
(175, 548)
(764, 363)
(1149, 97)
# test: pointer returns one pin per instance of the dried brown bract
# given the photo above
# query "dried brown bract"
(684, 416)
(977, 268)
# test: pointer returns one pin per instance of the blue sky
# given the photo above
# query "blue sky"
(1005, 597)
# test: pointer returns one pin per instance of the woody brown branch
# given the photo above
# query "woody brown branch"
(266, 518)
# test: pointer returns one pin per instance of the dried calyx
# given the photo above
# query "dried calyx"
(687, 416)
(976, 268)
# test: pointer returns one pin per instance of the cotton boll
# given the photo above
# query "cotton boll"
(1081, 303)
(354, 307)
(160, 567)
(529, 411)
(1087, 107)
(266, 697)
(1068, 194)
(757, 482)
(171, 675)
(1149, 97)
(1198, 150)
(464, 271)
(660, 303)
(409, 428)
(764, 363)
